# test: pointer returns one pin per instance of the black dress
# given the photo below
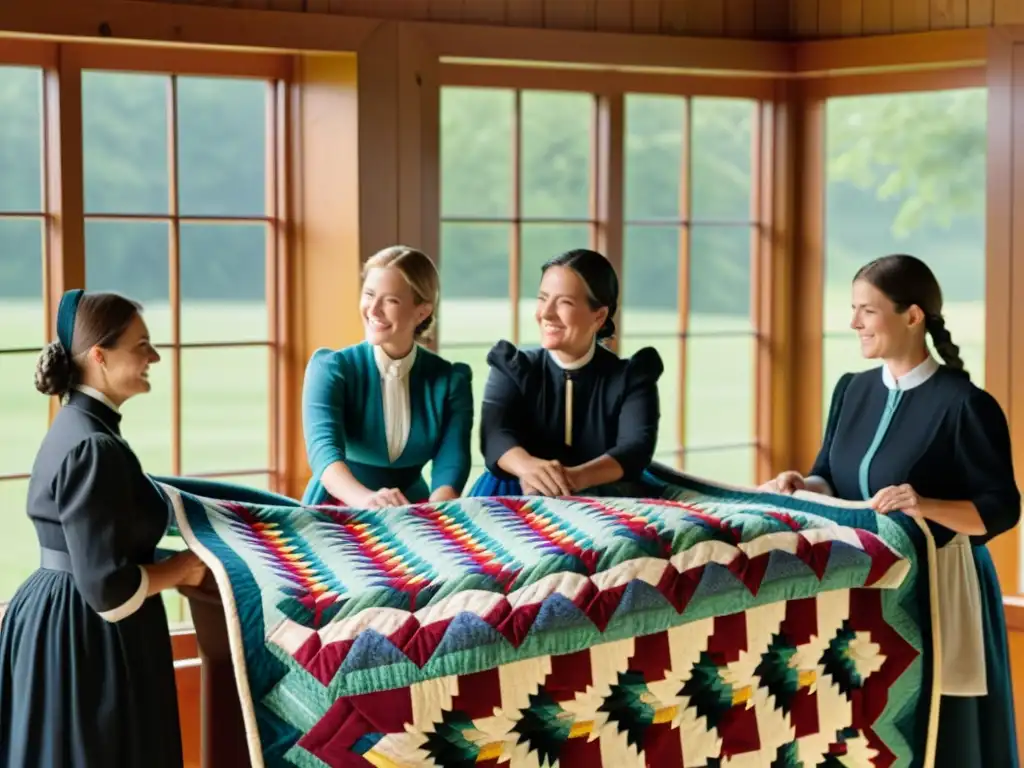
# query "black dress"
(949, 440)
(86, 669)
(614, 411)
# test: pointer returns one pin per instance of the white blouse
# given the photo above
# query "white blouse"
(395, 387)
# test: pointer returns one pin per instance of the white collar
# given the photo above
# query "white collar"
(913, 378)
(391, 368)
(575, 364)
(95, 394)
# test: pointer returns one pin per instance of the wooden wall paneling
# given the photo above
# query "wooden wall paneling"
(808, 268)
(325, 212)
(830, 19)
(617, 16)
(876, 17)
(527, 13)
(948, 14)
(1005, 177)
(949, 49)
(123, 20)
(646, 16)
(803, 18)
(596, 49)
(740, 18)
(1007, 12)
(980, 13)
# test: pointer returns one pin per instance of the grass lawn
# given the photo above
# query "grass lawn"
(225, 406)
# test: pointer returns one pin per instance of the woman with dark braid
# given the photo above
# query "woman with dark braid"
(918, 437)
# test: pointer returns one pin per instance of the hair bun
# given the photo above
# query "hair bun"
(607, 330)
(53, 370)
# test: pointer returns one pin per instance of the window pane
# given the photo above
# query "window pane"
(906, 173)
(720, 279)
(124, 135)
(541, 242)
(130, 257)
(21, 283)
(222, 146)
(475, 306)
(21, 132)
(654, 156)
(719, 390)
(721, 155)
(841, 354)
(476, 152)
(557, 129)
(476, 358)
(147, 419)
(24, 412)
(725, 465)
(223, 282)
(225, 409)
(650, 280)
(19, 555)
(668, 385)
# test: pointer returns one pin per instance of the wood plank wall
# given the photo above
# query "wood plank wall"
(748, 19)
(819, 19)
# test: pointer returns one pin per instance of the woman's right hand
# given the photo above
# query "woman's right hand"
(385, 497)
(545, 477)
(786, 482)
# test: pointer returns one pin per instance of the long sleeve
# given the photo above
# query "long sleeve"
(323, 410)
(502, 405)
(822, 464)
(452, 462)
(984, 460)
(640, 413)
(92, 492)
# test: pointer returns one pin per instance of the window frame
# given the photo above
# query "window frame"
(609, 90)
(64, 217)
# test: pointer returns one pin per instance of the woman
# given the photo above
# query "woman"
(570, 416)
(86, 672)
(375, 413)
(918, 437)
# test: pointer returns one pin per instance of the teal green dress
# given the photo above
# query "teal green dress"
(949, 440)
(343, 419)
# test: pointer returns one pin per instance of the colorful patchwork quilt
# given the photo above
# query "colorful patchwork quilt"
(712, 627)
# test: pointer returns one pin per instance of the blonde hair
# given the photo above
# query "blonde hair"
(419, 272)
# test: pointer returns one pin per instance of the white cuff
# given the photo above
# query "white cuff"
(132, 604)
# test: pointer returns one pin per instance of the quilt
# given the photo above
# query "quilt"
(713, 627)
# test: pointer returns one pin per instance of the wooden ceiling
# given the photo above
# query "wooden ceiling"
(745, 19)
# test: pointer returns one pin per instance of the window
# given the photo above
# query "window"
(24, 413)
(180, 215)
(905, 173)
(689, 230)
(517, 188)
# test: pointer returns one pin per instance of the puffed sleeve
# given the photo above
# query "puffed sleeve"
(822, 467)
(985, 462)
(502, 406)
(323, 410)
(451, 464)
(92, 493)
(639, 414)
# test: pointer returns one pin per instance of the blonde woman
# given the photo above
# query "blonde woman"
(375, 413)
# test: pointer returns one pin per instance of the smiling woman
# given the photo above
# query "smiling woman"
(374, 414)
(571, 416)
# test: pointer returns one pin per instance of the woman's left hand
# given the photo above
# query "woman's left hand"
(897, 498)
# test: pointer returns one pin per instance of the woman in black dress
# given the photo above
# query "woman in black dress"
(918, 437)
(86, 672)
(571, 416)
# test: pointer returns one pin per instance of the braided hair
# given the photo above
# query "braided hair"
(907, 281)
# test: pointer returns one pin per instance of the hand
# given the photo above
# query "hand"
(528, 490)
(785, 482)
(191, 570)
(385, 497)
(897, 498)
(545, 478)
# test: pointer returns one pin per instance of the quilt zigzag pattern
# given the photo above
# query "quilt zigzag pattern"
(334, 605)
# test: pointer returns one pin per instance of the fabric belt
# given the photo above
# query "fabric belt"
(54, 560)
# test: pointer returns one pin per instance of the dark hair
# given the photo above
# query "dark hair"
(599, 276)
(101, 320)
(907, 281)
